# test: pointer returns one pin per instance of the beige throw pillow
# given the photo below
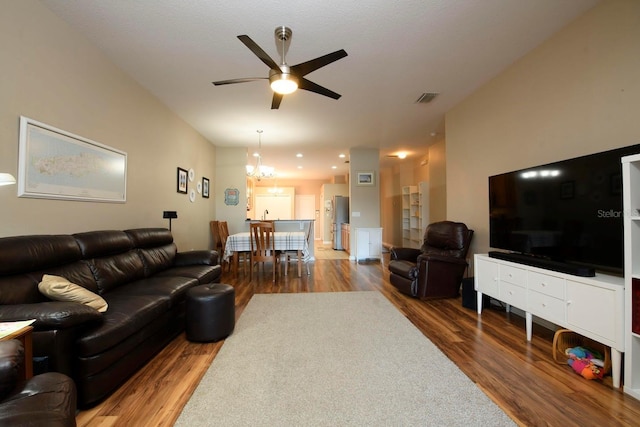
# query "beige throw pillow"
(60, 289)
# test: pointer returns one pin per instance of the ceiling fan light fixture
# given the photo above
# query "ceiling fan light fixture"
(283, 83)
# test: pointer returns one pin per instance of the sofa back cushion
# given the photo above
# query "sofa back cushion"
(22, 254)
(447, 238)
(156, 248)
(111, 258)
(25, 259)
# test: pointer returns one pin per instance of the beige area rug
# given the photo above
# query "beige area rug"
(334, 359)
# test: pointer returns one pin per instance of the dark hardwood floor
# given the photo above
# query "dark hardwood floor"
(520, 376)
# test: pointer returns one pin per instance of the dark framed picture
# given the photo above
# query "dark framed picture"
(205, 187)
(183, 177)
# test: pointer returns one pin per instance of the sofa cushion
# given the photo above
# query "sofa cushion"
(60, 289)
(203, 273)
(149, 237)
(113, 271)
(22, 254)
(110, 257)
(446, 238)
(157, 259)
(175, 288)
(96, 244)
(126, 315)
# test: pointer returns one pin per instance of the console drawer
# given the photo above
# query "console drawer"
(545, 284)
(513, 295)
(546, 307)
(516, 276)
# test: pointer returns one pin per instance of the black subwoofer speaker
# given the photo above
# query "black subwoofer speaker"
(469, 295)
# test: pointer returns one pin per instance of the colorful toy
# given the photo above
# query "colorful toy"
(585, 362)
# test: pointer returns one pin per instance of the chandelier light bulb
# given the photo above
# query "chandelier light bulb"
(260, 171)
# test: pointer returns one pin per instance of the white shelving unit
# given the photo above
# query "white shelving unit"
(423, 209)
(631, 204)
(406, 214)
(415, 214)
(414, 217)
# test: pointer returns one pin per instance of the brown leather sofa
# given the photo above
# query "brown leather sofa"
(436, 269)
(44, 400)
(139, 273)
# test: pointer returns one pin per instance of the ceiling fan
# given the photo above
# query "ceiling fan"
(283, 78)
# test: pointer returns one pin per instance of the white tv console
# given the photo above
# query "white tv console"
(590, 306)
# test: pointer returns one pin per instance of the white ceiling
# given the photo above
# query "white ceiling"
(397, 51)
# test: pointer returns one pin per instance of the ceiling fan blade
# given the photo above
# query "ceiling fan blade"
(257, 50)
(309, 66)
(314, 87)
(277, 99)
(232, 81)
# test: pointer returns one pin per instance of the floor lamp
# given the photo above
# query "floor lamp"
(171, 215)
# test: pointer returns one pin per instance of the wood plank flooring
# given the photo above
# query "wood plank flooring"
(520, 376)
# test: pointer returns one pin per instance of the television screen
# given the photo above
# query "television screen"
(569, 211)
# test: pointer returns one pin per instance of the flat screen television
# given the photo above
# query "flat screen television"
(568, 212)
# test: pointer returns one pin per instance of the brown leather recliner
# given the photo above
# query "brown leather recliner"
(436, 269)
(47, 399)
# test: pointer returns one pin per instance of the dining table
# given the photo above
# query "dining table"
(283, 241)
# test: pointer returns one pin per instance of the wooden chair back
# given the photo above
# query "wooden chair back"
(263, 245)
(293, 255)
(223, 233)
(215, 235)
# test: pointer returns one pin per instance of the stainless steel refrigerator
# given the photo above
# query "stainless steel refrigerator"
(339, 215)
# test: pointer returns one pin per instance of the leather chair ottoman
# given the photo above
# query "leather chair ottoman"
(211, 312)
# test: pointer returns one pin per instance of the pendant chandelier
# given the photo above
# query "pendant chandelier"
(260, 171)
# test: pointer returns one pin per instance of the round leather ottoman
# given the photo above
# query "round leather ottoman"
(211, 314)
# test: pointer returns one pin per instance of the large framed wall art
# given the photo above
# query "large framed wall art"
(55, 164)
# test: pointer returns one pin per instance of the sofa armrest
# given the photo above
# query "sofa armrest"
(200, 257)
(51, 315)
(11, 357)
(405, 254)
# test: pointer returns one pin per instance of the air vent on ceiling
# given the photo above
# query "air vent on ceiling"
(426, 97)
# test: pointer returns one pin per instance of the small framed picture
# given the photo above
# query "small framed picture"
(205, 188)
(182, 180)
(365, 178)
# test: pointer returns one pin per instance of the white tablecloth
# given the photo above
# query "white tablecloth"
(284, 241)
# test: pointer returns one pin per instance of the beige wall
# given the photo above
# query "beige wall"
(230, 175)
(429, 168)
(53, 75)
(578, 93)
(437, 168)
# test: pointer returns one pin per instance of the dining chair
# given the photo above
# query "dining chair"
(293, 255)
(215, 236)
(223, 232)
(263, 250)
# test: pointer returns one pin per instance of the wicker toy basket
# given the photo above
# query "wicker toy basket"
(564, 339)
